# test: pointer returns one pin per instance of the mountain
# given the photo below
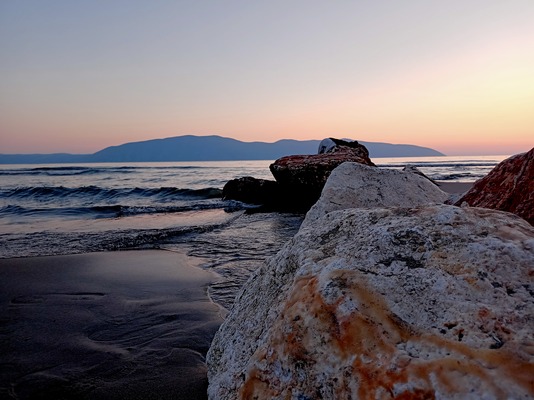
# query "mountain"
(208, 148)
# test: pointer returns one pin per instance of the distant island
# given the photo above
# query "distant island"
(208, 148)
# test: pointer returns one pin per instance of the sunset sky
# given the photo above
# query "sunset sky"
(455, 75)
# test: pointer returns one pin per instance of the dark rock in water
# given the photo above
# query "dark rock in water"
(508, 187)
(251, 190)
(255, 191)
(262, 192)
(302, 177)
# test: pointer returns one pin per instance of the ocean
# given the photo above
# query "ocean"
(77, 208)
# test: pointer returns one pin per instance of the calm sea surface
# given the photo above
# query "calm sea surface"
(76, 208)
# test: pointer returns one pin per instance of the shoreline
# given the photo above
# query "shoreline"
(112, 324)
(125, 324)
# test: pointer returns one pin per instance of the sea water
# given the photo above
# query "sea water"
(76, 208)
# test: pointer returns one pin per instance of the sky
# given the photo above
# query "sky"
(455, 75)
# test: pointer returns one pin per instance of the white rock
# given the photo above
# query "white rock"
(326, 145)
(429, 302)
(353, 185)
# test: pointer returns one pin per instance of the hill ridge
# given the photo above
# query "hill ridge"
(208, 148)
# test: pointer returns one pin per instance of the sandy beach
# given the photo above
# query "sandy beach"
(115, 325)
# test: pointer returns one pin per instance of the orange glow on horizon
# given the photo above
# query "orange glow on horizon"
(459, 92)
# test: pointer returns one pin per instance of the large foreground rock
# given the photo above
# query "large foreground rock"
(353, 185)
(303, 177)
(508, 187)
(422, 303)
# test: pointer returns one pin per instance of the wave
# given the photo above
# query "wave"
(81, 170)
(457, 177)
(98, 193)
(53, 171)
(51, 242)
(109, 211)
(431, 164)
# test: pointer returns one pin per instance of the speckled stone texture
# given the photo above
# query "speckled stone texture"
(432, 302)
(353, 185)
(508, 187)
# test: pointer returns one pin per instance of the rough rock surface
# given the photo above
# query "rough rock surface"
(390, 303)
(508, 187)
(251, 190)
(353, 185)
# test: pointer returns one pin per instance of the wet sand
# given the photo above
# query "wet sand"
(115, 325)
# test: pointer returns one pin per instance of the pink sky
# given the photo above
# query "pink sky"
(456, 76)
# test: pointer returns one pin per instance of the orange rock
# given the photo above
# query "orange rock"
(508, 187)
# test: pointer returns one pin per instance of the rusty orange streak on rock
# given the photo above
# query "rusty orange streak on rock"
(366, 342)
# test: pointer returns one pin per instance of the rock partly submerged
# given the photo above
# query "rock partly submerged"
(422, 303)
(303, 177)
(299, 179)
(403, 302)
(508, 187)
(252, 190)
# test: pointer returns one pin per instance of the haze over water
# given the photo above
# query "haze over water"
(80, 76)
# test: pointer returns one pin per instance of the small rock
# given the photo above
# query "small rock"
(251, 190)
(326, 145)
(330, 145)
